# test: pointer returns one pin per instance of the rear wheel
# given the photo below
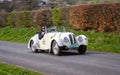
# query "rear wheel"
(32, 47)
(82, 49)
(55, 48)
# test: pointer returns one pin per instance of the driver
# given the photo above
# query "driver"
(42, 33)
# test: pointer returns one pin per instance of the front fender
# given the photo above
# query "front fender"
(82, 40)
(58, 40)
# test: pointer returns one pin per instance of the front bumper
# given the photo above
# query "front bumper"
(71, 47)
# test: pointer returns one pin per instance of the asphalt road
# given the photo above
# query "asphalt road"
(69, 63)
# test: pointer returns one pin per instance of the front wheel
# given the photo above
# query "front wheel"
(55, 48)
(82, 49)
(32, 47)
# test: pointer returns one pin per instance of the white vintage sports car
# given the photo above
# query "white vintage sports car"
(55, 42)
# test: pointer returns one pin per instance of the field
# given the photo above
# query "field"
(103, 42)
(6, 69)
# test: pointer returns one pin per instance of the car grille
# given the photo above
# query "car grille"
(72, 39)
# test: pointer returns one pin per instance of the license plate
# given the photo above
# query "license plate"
(74, 46)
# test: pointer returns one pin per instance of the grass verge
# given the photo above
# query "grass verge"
(17, 34)
(6, 69)
(105, 42)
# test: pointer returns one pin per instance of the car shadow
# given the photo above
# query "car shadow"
(74, 53)
(71, 53)
(65, 53)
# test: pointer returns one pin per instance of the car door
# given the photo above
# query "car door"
(45, 42)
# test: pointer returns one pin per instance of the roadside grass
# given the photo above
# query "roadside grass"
(104, 42)
(6, 69)
(17, 34)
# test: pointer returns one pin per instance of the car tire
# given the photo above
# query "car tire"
(55, 48)
(33, 47)
(82, 49)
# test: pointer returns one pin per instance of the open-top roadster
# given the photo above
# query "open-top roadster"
(55, 42)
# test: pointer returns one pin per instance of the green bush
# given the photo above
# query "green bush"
(10, 21)
(57, 16)
(20, 19)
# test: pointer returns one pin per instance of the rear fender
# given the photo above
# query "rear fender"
(36, 41)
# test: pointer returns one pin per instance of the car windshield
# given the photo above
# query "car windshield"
(54, 29)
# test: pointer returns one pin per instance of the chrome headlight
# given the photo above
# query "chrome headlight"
(80, 39)
(66, 40)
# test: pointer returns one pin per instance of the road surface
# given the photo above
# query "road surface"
(69, 63)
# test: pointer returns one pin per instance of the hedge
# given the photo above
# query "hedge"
(21, 19)
(3, 17)
(60, 16)
(57, 16)
(43, 17)
(100, 17)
